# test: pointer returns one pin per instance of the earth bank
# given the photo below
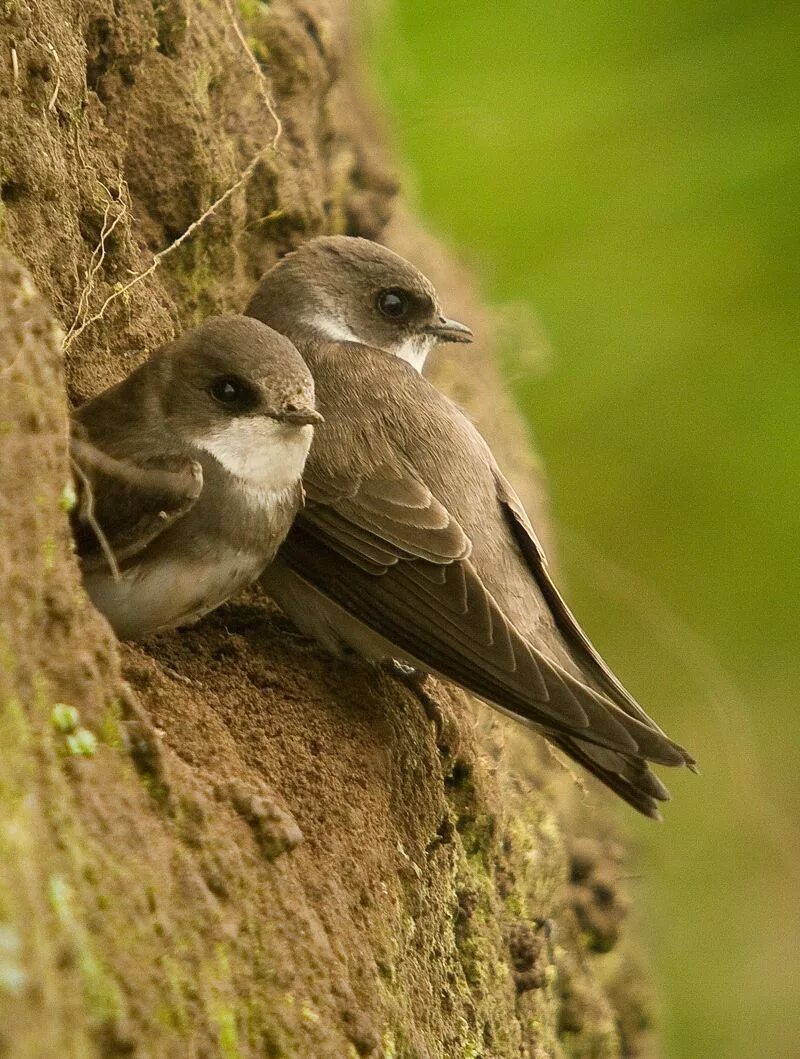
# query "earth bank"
(225, 843)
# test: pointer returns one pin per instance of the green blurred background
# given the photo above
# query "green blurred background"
(630, 171)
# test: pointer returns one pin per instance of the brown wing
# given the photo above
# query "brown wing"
(122, 507)
(574, 636)
(390, 553)
(628, 776)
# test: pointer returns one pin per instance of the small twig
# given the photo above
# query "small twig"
(264, 86)
(170, 671)
(566, 766)
(159, 257)
(15, 64)
(54, 96)
(51, 106)
(77, 329)
(79, 151)
(87, 513)
(97, 259)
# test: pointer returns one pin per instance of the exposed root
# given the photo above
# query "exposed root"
(97, 259)
(159, 257)
(51, 104)
(264, 87)
(87, 513)
(81, 321)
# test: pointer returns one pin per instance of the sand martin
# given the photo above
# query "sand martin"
(188, 473)
(353, 290)
(412, 545)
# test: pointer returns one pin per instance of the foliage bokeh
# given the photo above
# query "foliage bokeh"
(630, 171)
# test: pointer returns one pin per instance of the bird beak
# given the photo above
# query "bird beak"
(303, 416)
(449, 331)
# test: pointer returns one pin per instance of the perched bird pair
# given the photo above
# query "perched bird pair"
(411, 545)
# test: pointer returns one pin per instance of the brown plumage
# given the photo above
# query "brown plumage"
(188, 473)
(413, 545)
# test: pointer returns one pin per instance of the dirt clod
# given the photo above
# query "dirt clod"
(275, 830)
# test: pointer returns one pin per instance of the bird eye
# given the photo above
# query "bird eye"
(233, 393)
(394, 303)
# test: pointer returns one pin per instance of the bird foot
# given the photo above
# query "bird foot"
(444, 724)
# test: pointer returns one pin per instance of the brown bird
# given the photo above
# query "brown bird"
(353, 290)
(412, 545)
(189, 473)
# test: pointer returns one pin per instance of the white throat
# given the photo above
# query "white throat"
(414, 349)
(266, 456)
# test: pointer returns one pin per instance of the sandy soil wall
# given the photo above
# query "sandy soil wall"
(224, 843)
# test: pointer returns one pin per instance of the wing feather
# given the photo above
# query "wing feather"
(573, 634)
(424, 595)
(123, 507)
(628, 777)
(388, 535)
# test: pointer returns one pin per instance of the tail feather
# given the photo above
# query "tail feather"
(628, 777)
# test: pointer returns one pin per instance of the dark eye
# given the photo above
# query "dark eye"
(393, 304)
(232, 392)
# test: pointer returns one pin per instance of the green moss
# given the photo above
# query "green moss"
(309, 1014)
(259, 49)
(102, 996)
(111, 725)
(15, 776)
(194, 269)
(7, 658)
(275, 1043)
(476, 826)
(49, 550)
(389, 1045)
(66, 721)
(250, 9)
(64, 718)
(15, 731)
(157, 789)
(68, 498)
(82, 743)
(173, 1012)
(223, 1017)
(471, 1049)
(13, 977)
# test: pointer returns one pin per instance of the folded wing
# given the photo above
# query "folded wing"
(390, 553)
(122, 507)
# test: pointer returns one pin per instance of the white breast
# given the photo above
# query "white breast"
(166, 594)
